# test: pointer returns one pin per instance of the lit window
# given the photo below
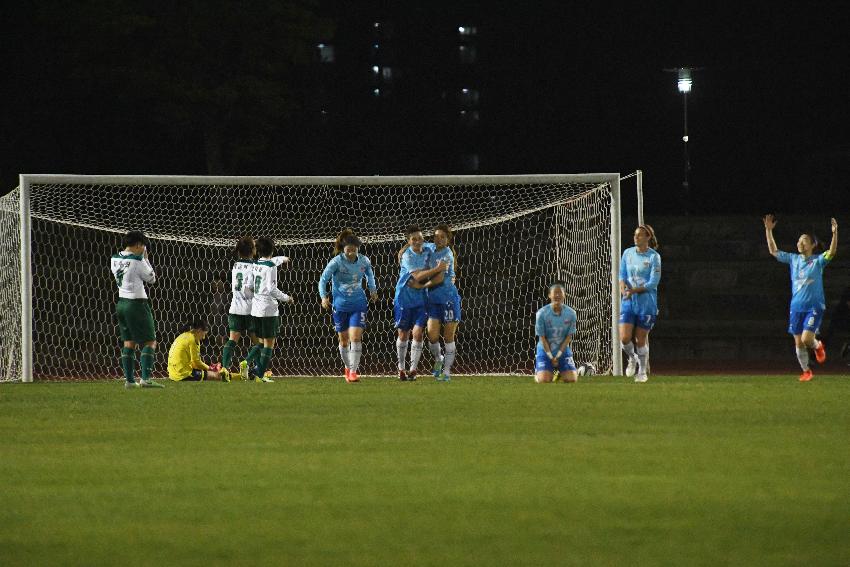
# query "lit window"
(377, 25)
(469, 117)
(387, 73)
(467, 54)
(467, 30)
(376, 69)
(325, 52)
(468, 97)
(376, 92)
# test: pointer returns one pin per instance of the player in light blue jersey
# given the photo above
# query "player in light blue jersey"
(410, 301)
(443, 303)
(807, 298)
(555, 325)
(346, 272)
(640, 273)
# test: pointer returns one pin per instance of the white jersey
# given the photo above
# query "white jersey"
(266, 295)
(131, 272)
(242, 286)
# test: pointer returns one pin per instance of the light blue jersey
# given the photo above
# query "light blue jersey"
(806, 280)
(641, 269)
(406, 296)
(346, 278)
(554, 326)
(447, 291)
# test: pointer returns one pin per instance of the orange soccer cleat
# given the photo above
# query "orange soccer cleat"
(806, 375)
(820, 353)
(352, 377)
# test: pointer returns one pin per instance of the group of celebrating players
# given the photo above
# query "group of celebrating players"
(427, 305)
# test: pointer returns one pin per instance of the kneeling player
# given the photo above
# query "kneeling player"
(184, 357)
(555, 326)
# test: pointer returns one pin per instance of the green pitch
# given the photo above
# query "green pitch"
(485, 471)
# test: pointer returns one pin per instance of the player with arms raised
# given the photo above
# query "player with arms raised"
(807, 297)
(410, 300)
(640, 273)
(131, 270)
(264, 304)
(555, 325)
(345, 272)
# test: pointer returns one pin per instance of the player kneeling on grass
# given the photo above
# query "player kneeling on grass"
(264, 306)
(132, 270)
(184, 356)
(807, 298)
(555, 326)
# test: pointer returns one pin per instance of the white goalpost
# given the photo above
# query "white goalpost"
(514, 235)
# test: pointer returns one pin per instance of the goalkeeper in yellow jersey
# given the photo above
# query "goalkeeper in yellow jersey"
(184, 357)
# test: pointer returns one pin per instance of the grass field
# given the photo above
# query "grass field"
(745, 470)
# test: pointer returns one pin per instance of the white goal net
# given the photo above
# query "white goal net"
(514, 236)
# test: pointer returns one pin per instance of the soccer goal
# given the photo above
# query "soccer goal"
(514, 235)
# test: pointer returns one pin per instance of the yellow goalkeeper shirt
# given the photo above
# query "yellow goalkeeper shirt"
(185, 356)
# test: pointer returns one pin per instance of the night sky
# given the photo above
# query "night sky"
(239, 88)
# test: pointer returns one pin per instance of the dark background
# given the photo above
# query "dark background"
(241, 88)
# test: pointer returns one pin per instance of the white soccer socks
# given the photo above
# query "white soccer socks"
(449, 358)
(401, 351)
(343, 353)
(803, 357)
(436, 352)
(354, 353)
(643, 357)
(415, 354)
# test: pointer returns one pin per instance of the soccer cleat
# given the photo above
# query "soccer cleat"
(347, 372)
(150, 384)
(131, 385)
(820, 353)
(438, 370)
(263, 379)
(443, 377)
(411, 375)
(806, 375)
(402, 375)
(556, 376)
(352, 377)
(641, 378)
(225, 375)
(243, 369)
(631, 368)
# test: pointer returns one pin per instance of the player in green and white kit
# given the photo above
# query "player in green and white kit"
(239, 321)
(264, 305)
(132, 270)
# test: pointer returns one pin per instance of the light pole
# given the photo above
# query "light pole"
(685, 84)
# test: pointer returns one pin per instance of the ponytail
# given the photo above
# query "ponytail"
(653, 241)
(339, 244)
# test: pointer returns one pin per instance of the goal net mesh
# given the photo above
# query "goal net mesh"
(512, 241)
